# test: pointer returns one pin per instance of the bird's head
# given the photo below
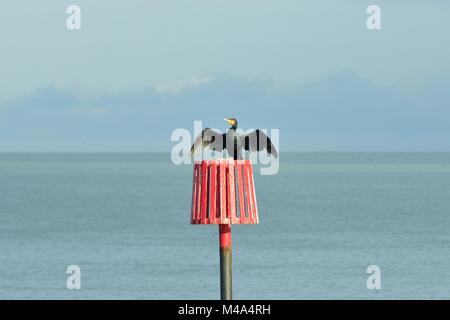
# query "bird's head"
(231, 121)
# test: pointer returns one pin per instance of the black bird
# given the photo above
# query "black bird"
(233, 142)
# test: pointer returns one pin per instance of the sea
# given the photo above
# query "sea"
(325, 219)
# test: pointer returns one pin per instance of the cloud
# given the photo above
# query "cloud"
(341, 113)
(179, 87)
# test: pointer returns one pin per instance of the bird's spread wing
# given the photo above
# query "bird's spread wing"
(258, 141)
(208, 138)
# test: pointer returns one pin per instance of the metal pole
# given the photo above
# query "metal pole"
(225, 261)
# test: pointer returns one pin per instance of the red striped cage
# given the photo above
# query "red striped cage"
(223, 192)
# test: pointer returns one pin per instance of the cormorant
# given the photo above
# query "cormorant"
(233, 142)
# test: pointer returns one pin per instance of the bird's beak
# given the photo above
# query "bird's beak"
(227, 120)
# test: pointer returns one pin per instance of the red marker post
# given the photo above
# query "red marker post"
(223, 193)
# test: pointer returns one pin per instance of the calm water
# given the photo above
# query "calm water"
(124, 219)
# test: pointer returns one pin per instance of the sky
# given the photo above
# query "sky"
(137, 70)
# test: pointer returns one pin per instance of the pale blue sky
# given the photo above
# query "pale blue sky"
(175, 55)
